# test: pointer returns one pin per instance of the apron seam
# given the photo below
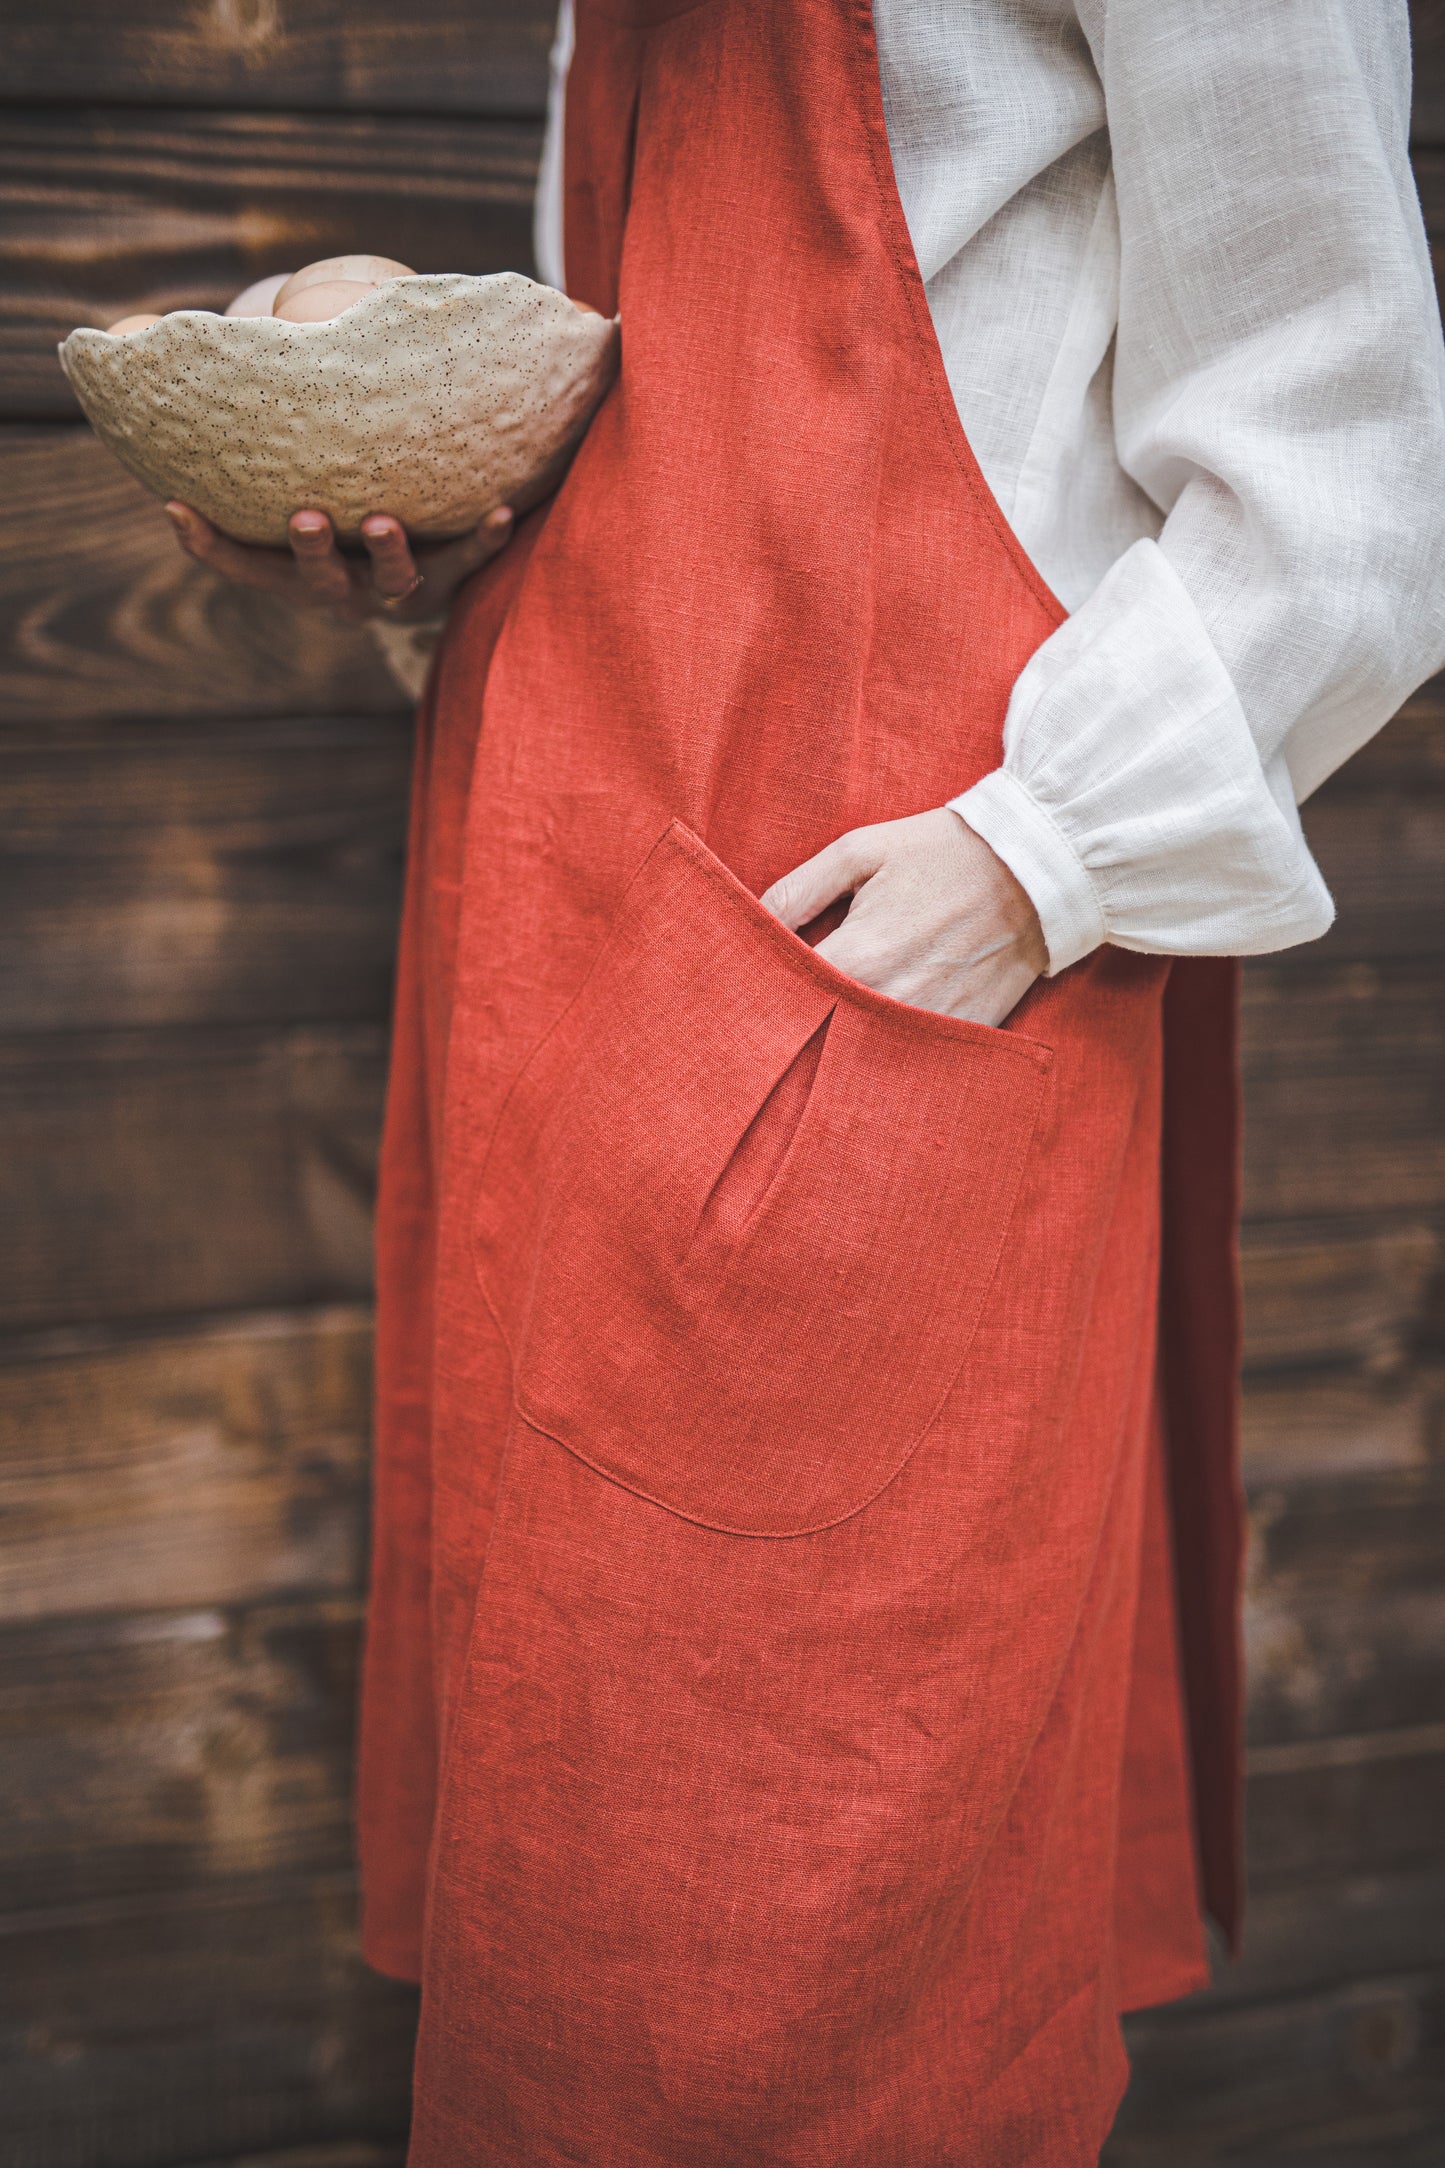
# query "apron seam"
(900, 247)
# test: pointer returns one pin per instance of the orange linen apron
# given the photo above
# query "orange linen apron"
(774, 1749)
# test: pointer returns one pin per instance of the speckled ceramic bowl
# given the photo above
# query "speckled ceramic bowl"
(436, 399)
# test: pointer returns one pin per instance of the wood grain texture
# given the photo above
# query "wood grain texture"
(1346, 2077)
(195, 902)
(1382, 853)
(1427, 37)
(1304, 1933)
(217, 1464)
(108, 212)
(231, 1168)
(174, 1749)
(1345, 1601)
(1344, 1071)
(1346, 1806)
(179, 1748)
(101, 616)
(438, 56)
(1349, 1289)
(1428, 155)
(1305, 1429)
(169, 874)
(186, 1172)
(200, 873)
(442, 56)
(196, 2025)
(1409, 750)
(1345, 1612)
(359, 2154)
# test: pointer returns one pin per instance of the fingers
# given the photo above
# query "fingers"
(393, 568)
(408, 589)
(859, 957)
(323, 575)
(237, 561)
(928, 964)
(449, 565)
(322, 568)
(837, 871)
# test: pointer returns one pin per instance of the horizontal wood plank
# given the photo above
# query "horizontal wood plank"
(225, 1463)
(166, 1173)
(1345, 1609)
(175, 1172)
(176, 1749)
(1409, 750)
(1427, 37)
(443, 56)
(1352, 1534)
(200, 873)
(102, 617)
(1305, 1016)
(1345, 1602)
(360, 2153)
(1350, 2077)
(1343, 1291)
(1382, 853)
(1344, 1080)
(241, 2023)
(216, 1465)
(440, 56)
(196, 2026)
(1348, 1806)
(168, 874)
(112, 211)
(1306, 1933)
(108, 212)
(1323, 1427)
(1370, 1657)
(165, 1750)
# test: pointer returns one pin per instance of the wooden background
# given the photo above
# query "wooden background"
(203, 804)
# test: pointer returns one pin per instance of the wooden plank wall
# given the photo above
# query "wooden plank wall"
(203, 806)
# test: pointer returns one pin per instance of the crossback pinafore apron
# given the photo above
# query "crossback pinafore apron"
(774, 1748)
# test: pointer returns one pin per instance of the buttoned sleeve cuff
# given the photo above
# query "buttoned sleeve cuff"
(1133, 804)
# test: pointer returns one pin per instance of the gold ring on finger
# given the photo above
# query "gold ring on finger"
(394, 602)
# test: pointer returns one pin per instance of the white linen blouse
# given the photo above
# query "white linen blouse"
(1178, 273)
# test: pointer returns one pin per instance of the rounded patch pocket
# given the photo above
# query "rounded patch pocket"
(740, 1214)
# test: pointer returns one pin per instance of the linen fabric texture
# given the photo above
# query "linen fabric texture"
(1179, 276)
(782, 1741)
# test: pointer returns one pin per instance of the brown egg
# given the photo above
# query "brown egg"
(318, 304)
(139, 322)
(363, 270)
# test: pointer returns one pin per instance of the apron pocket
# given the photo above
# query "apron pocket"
(739, 1214)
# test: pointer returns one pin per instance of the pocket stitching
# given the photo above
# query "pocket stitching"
(932, 1021)
(816, 1528)
(1036, 1056)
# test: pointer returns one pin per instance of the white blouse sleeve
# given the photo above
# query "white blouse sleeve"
(1279, 392)
(547, 203)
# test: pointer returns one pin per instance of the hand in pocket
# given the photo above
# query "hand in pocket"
(937, 920)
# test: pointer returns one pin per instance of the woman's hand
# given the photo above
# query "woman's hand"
(390, 582)
(937, 919)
